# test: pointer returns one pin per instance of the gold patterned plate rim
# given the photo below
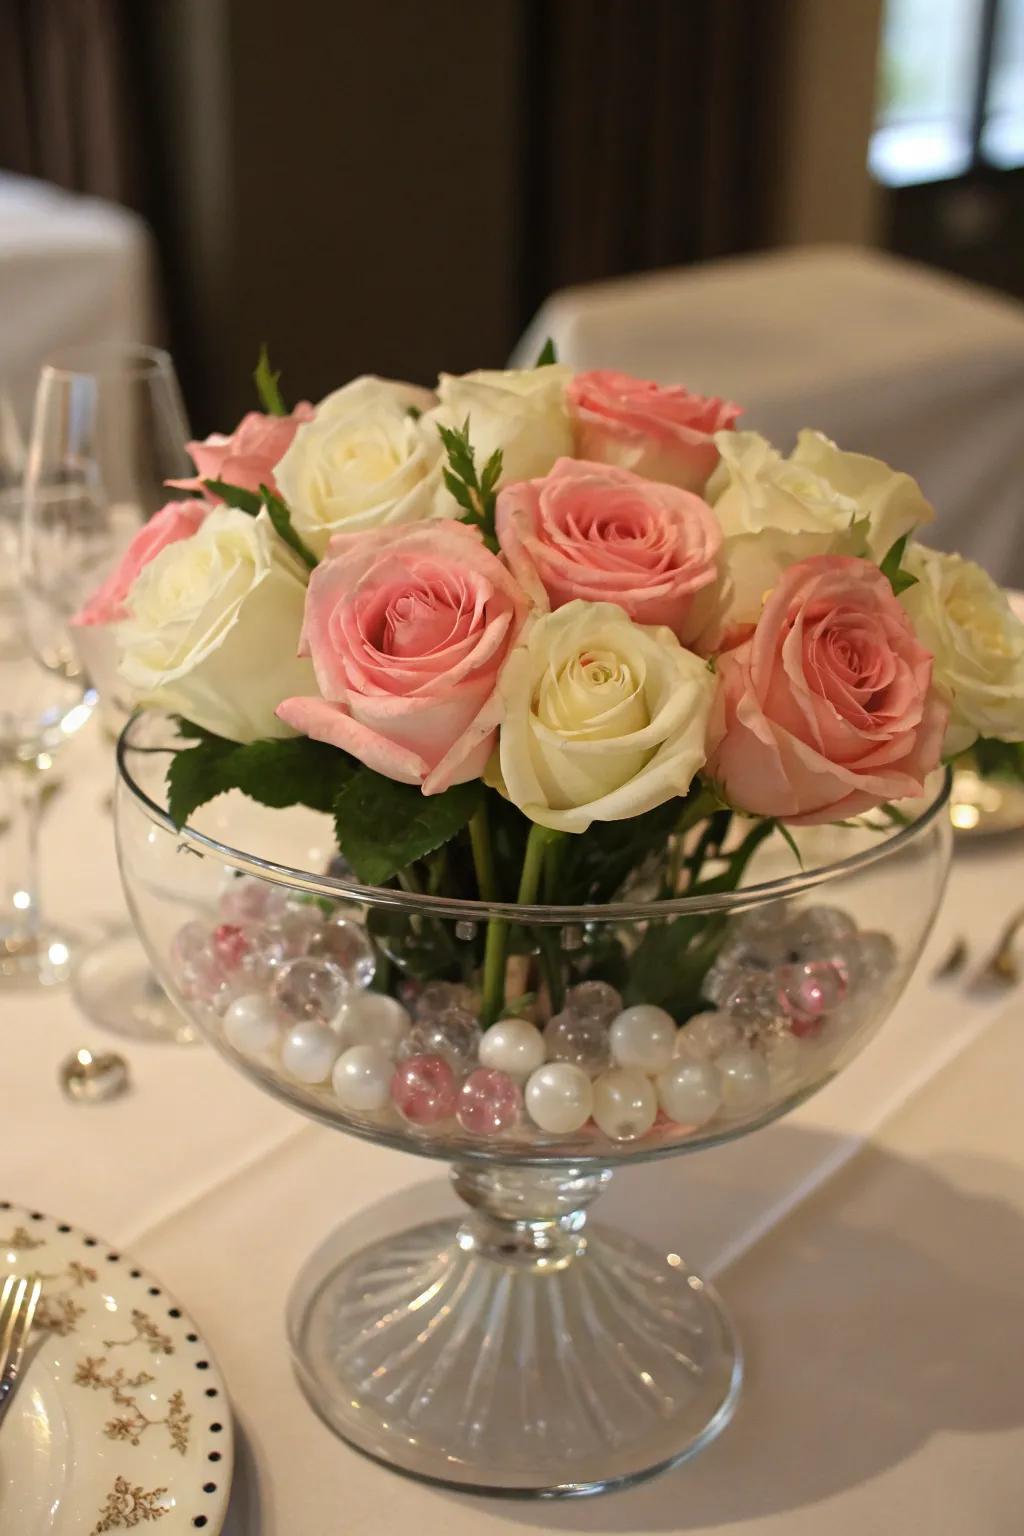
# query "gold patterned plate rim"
(118, 1369)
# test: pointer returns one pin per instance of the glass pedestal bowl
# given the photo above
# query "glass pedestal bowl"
(521, 1349)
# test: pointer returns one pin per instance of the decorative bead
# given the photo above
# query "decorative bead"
(423, 1089)
(808, 993)
(247, 900)
(706, 1034)
(259, 964)
(820, 930)
(593, 1000)
(625, 1103)
(252, 1024)
(744, 1079)
(751, 995)
(465, 930)
(643, 1036)
(297, 929)
(689, 1092)
(514, 1046)
(373, 1018)
(580, 1040)
(362, 1078)
(455, 1035)
(872, 958)
(345, 944)
(785, 1057)
(489, 1102)
(309, 989)
(438, 997)
(559, 1097)
(196, 968)
(230, 946)
(309, 1051)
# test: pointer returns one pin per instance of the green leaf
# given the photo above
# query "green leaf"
(296, 771)
(235, 496)
(790, 840)
(547, 355)
(491, 474)
(382, 825)
(996, 759)
(890, 567)
(265, 380)
(282, 521)
(460, 490)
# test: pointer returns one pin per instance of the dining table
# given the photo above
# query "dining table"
(870, 1246)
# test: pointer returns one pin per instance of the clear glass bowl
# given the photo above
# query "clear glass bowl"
(521, 1349)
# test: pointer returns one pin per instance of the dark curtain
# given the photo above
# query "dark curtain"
(650, 133)
(68, 110)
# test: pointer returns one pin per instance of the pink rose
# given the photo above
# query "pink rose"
(826, 711)
(408, 628)
(661, 433)
(606, 535)
(249, 456)
(178, 520)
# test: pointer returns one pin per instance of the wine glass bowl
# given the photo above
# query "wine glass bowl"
(631, 1031)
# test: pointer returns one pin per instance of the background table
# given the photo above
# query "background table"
(871, 1248)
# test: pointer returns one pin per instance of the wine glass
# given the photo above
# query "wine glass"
(109, 421)
(45, 698)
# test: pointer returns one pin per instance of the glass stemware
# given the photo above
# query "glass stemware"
(45, 698)
(109, 421)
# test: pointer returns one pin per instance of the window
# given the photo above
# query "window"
(950, 91)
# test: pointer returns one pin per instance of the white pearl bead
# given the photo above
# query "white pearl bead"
(689, 1092)
(744, 1078)
(559, 1097)
(625, 1103)
(514, 1046)
(785, 1056)
(373, 1018)
(706, 1034)
(309, 1052)
(362, 1077)
(643, 1036)
(252, 1025)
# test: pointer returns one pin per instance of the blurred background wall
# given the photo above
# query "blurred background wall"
(397, 187)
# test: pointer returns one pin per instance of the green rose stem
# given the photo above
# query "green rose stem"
(703, 803)
(538, 844)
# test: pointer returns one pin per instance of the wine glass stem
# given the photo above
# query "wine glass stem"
(21, 916)
(526, 1218)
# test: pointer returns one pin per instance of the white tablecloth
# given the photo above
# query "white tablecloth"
(879, 1294)
(889, 358)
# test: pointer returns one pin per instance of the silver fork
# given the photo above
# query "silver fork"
(18, 1301)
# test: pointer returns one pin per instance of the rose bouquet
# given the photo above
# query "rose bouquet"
(539, 633)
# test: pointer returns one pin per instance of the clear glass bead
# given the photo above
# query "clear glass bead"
(194, 963)
(438, 997)
(705, 1035)
(816, 931)
(346, 945)
(309, 989)
(246, 900)
(580, 1039)
(871, 959)
(593, 1000)
(453, 1035)
(299, 925)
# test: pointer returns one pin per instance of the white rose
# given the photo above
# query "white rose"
(820, 501)
(522, 411)
(966, 622)
(363, 460)
(602, 718)
(214, 628)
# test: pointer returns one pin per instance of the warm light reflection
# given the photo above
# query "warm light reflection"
(964, 817)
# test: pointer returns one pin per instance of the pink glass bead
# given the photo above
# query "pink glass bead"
(423, 1089)
(193, 960)
(489, 1102)
(251, 901)
(230, 945)
(809, 993)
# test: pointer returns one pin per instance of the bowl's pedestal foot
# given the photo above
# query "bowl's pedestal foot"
(521, 1351)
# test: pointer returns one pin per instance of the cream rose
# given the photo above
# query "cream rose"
(214, 625)
(602, 718)
(362, 461)
(964, 619)
(522, 411)
(774, 511)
